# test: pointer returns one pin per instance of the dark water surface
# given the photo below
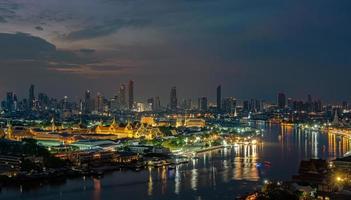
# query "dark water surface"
(220, 174)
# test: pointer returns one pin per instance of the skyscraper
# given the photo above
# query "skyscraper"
(9, 101)
(281, 100)
(151, 103)
(31, 96)
(157, 106)
(229, 105)
(122, 97)
(88, 104)
(173, 99)
(203, 105)
(219, 98)
(99, 103)
(130, 94)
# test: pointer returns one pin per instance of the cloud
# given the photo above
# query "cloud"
(87, 51)
(24, 46)
(104, 29)
(39, 28)
(27, 50)
(2, 20)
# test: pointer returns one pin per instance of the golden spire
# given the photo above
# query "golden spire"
(9, 130)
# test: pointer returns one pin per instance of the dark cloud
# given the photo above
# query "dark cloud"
(87, 51)
(24, 46)
(104, 29)
(39, 28)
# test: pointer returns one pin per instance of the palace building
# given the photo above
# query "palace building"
(115, 129)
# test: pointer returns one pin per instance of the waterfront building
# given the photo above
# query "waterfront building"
(107, 145)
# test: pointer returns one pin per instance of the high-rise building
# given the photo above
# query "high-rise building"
(31, 96)
(151, 103)
(219, 98)
(130, 94)
(229, 105)
(122, 97)
(173, 99)
(157, 102)
(99, 103)
(9, 101)
(88, 102)
(281, 100)
(203, 104)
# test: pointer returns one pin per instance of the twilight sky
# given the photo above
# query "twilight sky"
(254, 48)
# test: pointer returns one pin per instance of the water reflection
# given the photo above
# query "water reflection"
(97, 189)
(245, 163)
(311, 144)
(149, 183)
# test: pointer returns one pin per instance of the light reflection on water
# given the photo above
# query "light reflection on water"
(222, 173)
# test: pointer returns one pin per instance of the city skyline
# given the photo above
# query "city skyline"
(129, 96)
(248, 47)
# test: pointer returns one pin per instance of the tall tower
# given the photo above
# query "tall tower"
(173, 99)
(281, 100)
(31, 96)
(87, 102)
(219, 98)
(122, 96)
(130, 94)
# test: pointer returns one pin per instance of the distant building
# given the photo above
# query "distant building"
(229, 105)
(122, 97)
(157, 106)
(203, 104)
(219, 98)
(31, 96)
(130, 94)
(88, 103)
(195, 123)
(173, 99)
(281, 100)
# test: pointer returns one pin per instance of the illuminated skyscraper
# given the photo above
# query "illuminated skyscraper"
(130, 94)
(281, 100)
(219, 98)
(122, 97)
(173, 99)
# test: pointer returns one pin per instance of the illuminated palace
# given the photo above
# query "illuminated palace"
(128, 131)
(68, 135)
(20, 133)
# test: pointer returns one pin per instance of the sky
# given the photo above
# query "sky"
(254, 49)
